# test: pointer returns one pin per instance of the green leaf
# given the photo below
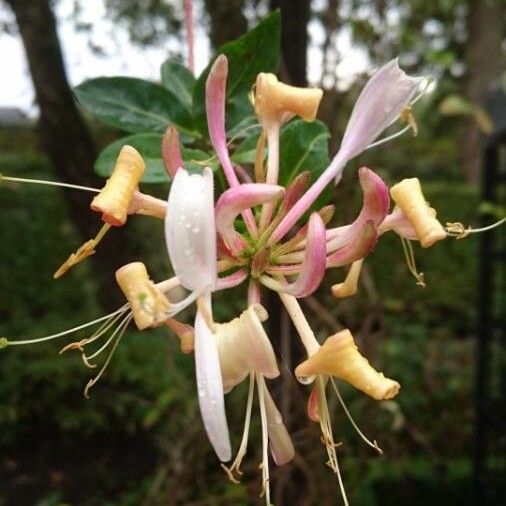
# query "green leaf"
(178, 80)
(257, 51)
(148, 146)
(132, 104)
(303, 146)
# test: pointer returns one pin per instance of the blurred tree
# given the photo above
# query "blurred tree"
(227, 20)
(295, 16)
(484, 63)
(63, 133)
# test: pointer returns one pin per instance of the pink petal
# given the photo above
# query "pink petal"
(232, 280)
(171, 151)
(312, 269)
(399, 223)
(379, 104)
(312, 404)
(374, 208)
(360, 244)
(234, 201)
(210, 389)
(215, 110)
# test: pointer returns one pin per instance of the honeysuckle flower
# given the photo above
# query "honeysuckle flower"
(204, 239)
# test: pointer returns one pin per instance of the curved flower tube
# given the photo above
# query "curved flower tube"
(349, 286)
(375, 207)
(215, 110)
(171, 151)
(399, 223)
(382, 100)
(362, 242)
(234, 201)
(313, 267)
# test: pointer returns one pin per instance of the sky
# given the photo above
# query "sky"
(124, 58)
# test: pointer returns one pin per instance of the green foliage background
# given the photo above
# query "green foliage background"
(139, 439)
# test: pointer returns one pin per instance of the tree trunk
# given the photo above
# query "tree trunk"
(294, 39)
(484, 64)
(227, 20)
(64, 135)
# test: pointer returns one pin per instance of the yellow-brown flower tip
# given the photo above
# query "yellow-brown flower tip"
(115, 196)
(149, 305)
(409, 198)
(339, 357)
(280, 102)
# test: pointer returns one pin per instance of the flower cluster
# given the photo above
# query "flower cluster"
(270, 237)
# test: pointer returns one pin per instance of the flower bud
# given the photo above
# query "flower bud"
(275, 101)
(149, 305)
(409, 197)
(115, 196)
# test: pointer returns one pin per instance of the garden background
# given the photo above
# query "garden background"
(139, 438)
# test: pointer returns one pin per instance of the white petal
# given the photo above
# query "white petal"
(190, 230)
(210, 389)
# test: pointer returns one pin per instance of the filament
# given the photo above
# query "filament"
(97, 334)
(122, 327)
(70, 331)
(106, 344)
(265, 441)
(350, 418)
(411, 262)
(49, 183)
(328, 437)
(243, 447)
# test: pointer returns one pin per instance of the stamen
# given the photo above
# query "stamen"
(411, 262)
(373, 444)
(48, 183)
(265, 441)
(406, 115)
(79, 345)
(328, 436)
(459, 231)
(109, 340)
(122, 328)
(86, 250)
(70, 331)
(236, 464)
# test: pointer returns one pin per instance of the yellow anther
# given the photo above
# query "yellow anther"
(408, 117)
(85, 251)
